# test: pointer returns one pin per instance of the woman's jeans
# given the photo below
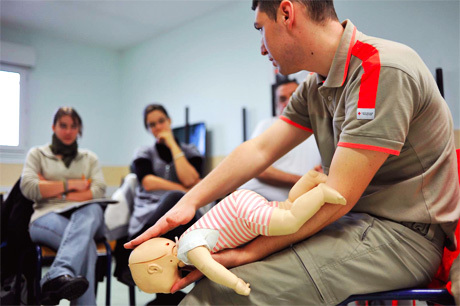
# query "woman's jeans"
(73, 238)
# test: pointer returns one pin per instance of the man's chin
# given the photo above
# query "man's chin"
(286, 72)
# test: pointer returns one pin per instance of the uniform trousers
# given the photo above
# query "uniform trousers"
(357, 254)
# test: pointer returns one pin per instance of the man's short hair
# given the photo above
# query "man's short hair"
(285, 81)
(318, 10)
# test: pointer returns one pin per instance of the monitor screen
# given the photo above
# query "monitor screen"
(197, 135)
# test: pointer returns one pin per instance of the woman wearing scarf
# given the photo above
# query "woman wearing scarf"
(56, 177)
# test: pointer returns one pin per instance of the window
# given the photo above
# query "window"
(13, 85)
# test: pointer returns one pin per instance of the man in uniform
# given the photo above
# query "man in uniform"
(385, 136)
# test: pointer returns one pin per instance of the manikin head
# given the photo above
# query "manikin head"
(154, 265)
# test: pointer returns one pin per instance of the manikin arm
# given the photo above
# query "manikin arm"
(284, 222)
(201, 258)
(303, 185)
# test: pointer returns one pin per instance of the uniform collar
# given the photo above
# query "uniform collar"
(339, 68)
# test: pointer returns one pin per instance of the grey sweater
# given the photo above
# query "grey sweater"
(42, 160)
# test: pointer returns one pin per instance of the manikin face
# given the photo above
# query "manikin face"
(154, 265)
(283, 94)
(66, 130)
(158, 122)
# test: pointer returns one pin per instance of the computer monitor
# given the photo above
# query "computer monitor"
(196, 135)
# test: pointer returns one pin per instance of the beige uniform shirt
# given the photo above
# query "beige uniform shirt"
(379, 95)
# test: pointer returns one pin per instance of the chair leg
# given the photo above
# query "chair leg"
(132, 296)
(109, 272)
(38, 273)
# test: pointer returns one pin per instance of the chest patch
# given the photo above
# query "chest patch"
(365, 113)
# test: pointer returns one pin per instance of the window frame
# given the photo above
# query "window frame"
(15, 151)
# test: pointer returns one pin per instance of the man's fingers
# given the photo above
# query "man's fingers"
(153, 231)
(184, 282)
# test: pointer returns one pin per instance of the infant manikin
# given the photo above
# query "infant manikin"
(236, 220)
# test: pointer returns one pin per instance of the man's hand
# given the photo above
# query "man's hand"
(229, 258)
(178, 215)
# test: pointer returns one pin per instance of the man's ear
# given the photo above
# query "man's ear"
(154, 268)
(286, 10)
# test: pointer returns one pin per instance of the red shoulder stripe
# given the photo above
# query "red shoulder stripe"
(370, 79)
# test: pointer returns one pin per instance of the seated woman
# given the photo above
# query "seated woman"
(56, 176)
(165, 171)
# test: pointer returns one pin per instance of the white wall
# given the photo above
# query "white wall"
(212, 65)
(68, 73)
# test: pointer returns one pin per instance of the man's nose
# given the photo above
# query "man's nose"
(263, 50)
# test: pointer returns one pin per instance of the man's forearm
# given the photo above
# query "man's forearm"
(276, 177)
(264, 246)
(350, 173)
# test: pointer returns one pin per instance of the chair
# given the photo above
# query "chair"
(104, 249)
(432, 294)
(435, 296)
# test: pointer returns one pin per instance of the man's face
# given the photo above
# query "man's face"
(277, 42)
(272, 43)
(291, 42)
(283, 94)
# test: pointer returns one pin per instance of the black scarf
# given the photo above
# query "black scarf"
(68, 152)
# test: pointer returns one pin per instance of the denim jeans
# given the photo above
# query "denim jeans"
(73, 238)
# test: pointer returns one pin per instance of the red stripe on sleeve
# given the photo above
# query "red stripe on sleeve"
(295, 124)
(367, 147)
(370, 78)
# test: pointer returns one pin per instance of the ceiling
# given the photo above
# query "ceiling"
(114, 24)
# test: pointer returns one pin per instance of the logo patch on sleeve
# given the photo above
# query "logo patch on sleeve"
(365, 113)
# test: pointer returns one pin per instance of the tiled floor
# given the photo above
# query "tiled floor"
(119, 294)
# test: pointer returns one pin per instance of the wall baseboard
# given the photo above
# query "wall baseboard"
(9, 173)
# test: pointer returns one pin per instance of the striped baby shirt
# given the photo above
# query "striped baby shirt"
(239, 218)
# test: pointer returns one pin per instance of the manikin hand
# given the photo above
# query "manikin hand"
(242, 287)
(229, 258)
(180, 214)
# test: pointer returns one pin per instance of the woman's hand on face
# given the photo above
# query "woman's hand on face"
(166, 137)
(229, 258)
(180, 214)
(78, 184)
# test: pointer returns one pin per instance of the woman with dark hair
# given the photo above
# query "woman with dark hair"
(56, 177)
(165, 171)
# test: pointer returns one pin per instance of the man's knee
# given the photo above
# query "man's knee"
(206, 292)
